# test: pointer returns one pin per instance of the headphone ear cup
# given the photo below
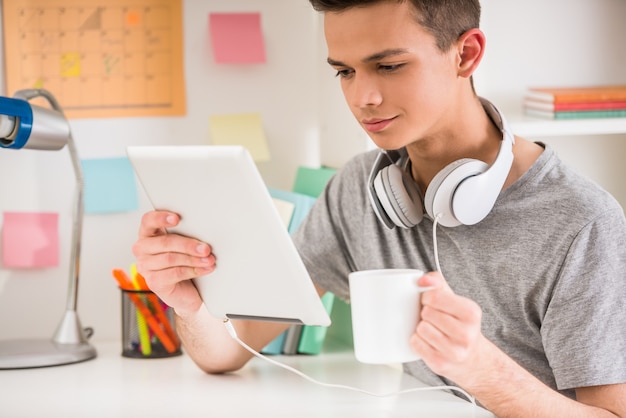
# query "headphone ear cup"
(440, 192)
(400, 196)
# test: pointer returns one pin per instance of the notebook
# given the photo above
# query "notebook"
(222, 200)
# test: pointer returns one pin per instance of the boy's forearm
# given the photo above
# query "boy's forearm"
(208, 343)
(508, 390)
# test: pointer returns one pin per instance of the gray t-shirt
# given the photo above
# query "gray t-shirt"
(547, 266)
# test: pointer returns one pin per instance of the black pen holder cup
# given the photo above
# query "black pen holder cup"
(147, 326)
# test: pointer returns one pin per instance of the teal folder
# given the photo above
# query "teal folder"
(311, 181)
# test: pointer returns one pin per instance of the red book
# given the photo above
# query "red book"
(613, 93)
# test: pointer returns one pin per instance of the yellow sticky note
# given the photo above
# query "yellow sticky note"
(70, 64)
(244, 129)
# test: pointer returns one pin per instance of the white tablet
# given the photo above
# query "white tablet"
(222, 200)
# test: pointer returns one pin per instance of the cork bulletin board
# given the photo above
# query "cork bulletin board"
(98, 58)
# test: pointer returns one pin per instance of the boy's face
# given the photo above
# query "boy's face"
(397, 83)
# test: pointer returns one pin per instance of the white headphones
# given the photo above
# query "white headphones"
(463, 193)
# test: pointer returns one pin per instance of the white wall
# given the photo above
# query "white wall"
(283, 91)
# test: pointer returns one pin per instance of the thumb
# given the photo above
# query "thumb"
(434, 279)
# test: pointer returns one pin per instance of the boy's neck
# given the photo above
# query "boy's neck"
(471, 134)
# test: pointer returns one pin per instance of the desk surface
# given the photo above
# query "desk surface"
(114, 386)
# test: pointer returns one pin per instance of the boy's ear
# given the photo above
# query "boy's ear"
(470, 47)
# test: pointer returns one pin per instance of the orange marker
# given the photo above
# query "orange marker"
(122, 279)
(156, 303)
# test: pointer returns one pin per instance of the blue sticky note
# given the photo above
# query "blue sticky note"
(109, 185)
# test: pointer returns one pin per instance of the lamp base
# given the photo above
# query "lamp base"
(27, 354)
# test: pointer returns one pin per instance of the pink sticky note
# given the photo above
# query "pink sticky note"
(30, 240)
(237, 38)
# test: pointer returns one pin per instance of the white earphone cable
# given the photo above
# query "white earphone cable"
(435, 245)
(233, 334)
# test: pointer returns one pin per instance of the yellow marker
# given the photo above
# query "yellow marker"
(142, 325)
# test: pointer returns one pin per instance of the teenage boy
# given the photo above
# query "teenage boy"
(530, 316)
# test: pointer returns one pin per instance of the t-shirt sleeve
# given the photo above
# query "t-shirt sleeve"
(584, 328)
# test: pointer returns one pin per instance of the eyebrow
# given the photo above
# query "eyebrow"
(374, 57)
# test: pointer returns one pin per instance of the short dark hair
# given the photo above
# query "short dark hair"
(446, 20)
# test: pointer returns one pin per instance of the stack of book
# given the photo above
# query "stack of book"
(308, 185)
(576, 102)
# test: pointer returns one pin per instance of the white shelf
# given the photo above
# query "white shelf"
(526, 126)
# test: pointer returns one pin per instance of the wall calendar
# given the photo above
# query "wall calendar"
(98, 58)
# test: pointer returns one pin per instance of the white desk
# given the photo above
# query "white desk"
(113, 386)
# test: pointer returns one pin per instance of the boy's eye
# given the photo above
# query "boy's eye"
(343, 73)
(389, 67)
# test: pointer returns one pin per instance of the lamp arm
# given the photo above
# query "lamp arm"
(70, 330)
(77, 226)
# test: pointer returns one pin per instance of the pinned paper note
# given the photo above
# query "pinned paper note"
(241, 129)
(133, 18)
(30, 240)
(109, 185)
(70, 64)
(237, 38)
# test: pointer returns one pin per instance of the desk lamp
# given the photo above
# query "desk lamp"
(23, 125)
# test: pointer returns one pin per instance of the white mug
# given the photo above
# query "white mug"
(385, 307)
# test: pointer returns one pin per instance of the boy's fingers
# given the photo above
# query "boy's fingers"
(154, 223)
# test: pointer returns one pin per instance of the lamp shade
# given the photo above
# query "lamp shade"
(30, 126)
